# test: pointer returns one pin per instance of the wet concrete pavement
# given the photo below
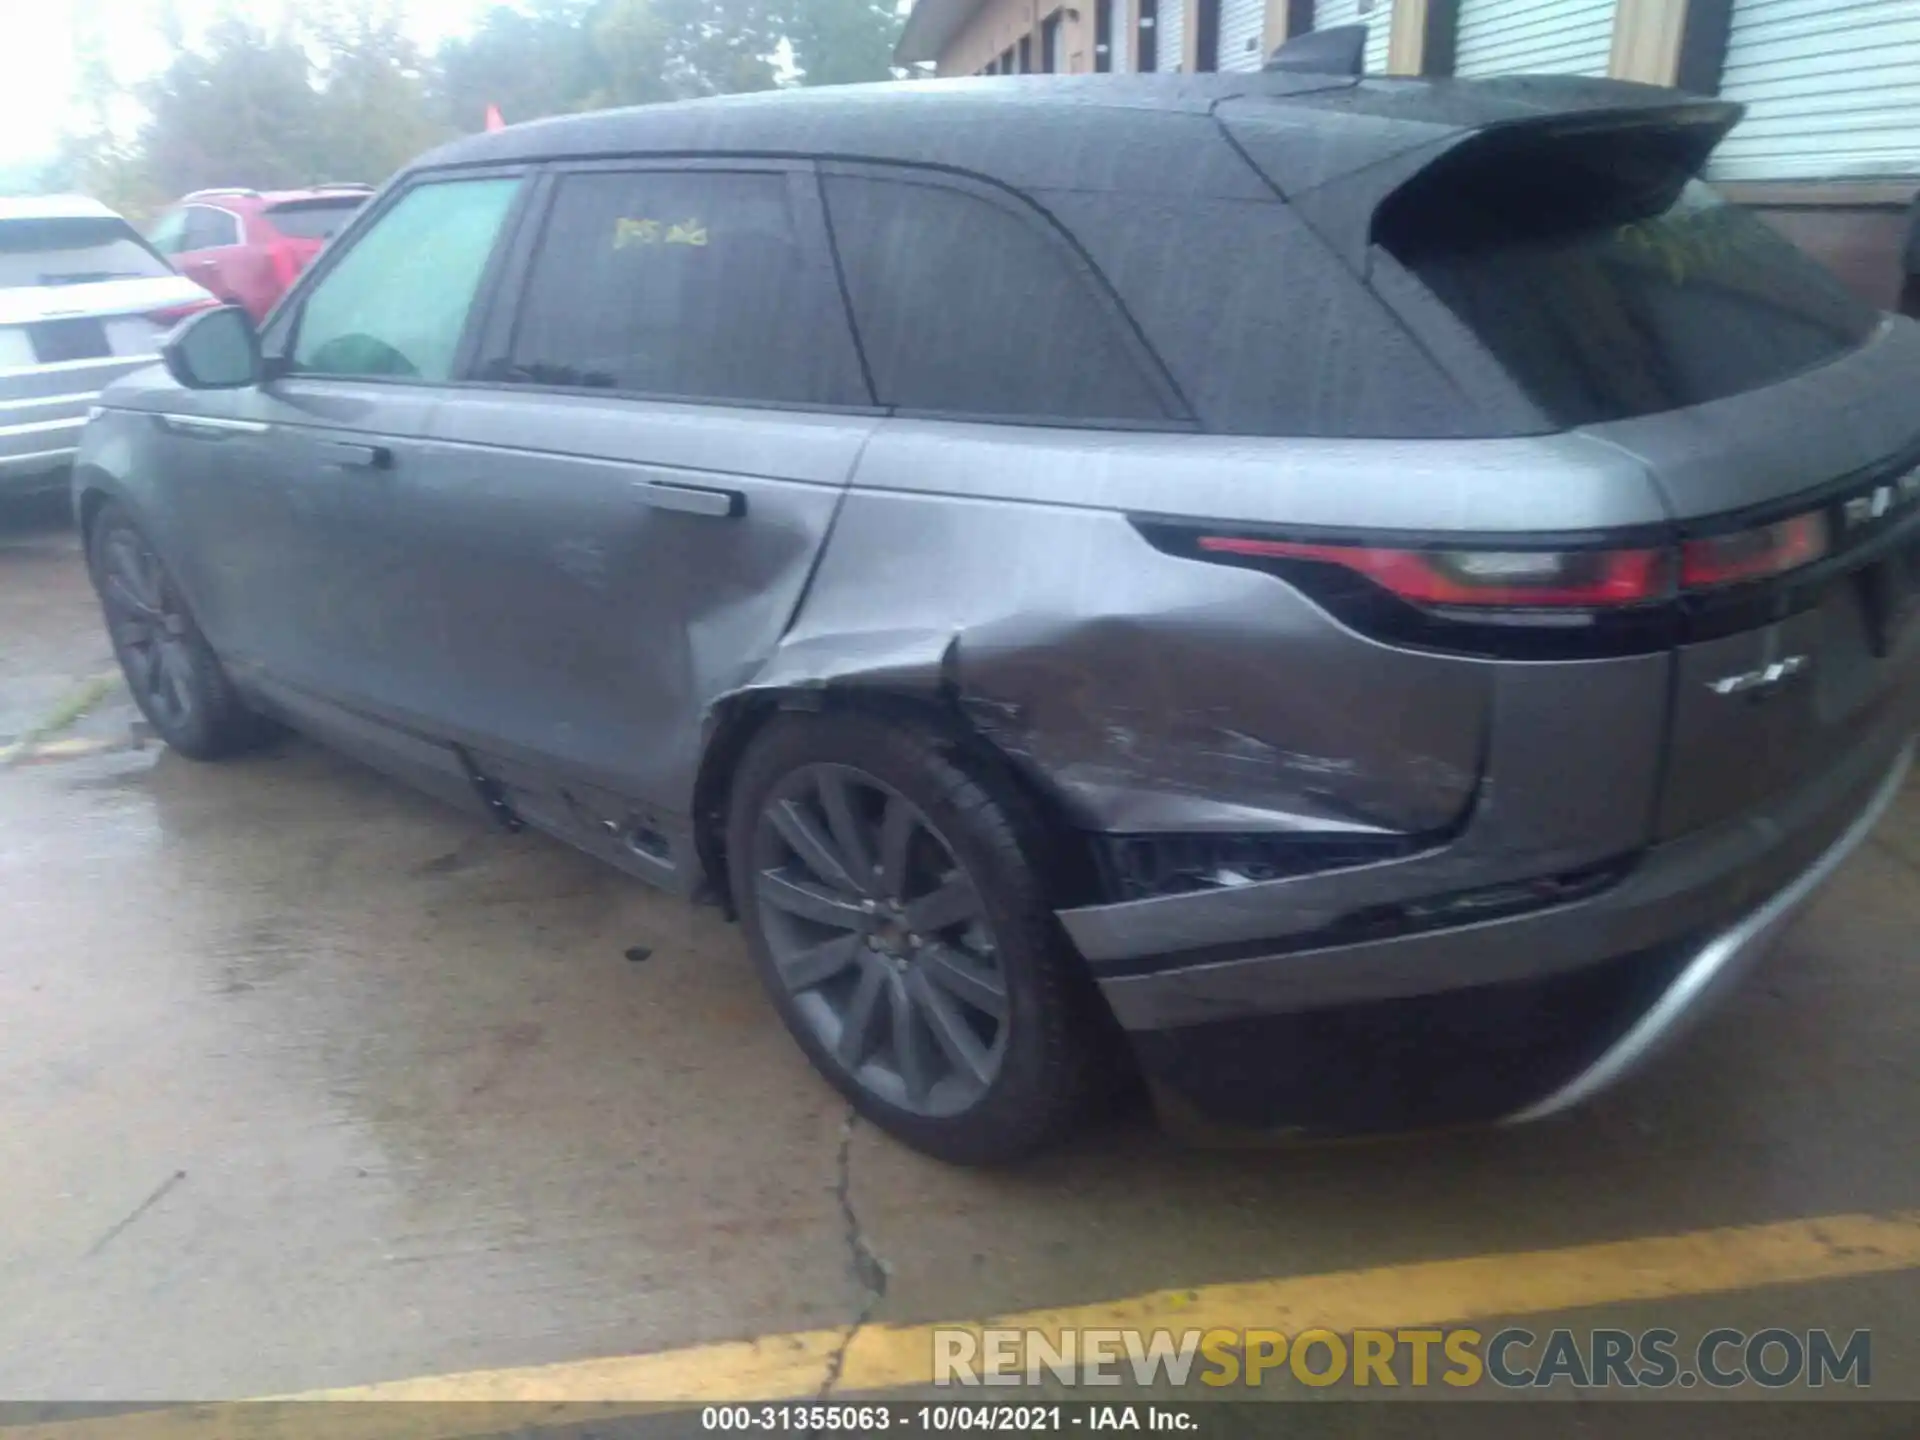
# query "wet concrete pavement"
(50, 636)
(306, 1081)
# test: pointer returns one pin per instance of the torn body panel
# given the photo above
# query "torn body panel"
(1148, 694)
(1139, 690)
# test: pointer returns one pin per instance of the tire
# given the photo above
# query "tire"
(1044, 1051)
(176, 679)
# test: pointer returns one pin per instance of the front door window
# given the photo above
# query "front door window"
(395, 304)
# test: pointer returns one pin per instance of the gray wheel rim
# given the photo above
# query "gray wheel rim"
(879, 935)
(148, 626)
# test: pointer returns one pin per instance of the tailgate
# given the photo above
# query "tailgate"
(1780, 677)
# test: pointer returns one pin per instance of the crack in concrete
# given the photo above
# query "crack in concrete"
(142, 1208)
(870, 1271)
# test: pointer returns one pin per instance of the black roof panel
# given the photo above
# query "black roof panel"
(1107, 132)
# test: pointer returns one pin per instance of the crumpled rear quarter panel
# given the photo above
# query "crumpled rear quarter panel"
(1146, 692)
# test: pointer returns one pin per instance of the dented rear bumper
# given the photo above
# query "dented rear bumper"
(1508, 1018)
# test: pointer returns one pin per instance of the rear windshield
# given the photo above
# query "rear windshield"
(314, 219)
(1611, 286)
(73, 251)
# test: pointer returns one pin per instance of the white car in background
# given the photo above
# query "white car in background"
(83, 300)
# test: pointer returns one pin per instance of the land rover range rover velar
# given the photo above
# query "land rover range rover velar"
(1380, 594)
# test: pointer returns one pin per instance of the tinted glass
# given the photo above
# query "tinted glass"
(692, 284)
(313, 219)
(208, 229)
(167, 234)
(397, 300)
(1605, 299)
(967, 306)
(1263, 328)
(77, 251)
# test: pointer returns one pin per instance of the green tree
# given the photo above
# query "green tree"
(716, 47)
(92, 156)
(240, 108)
(532, 60)
(629, 55)
(843, 42)
(342, 92)
(373, 108)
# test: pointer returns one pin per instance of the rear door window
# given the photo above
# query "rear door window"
(970, 305)
(1609, 291)
(74, 250)
(209, 229)
(695, 284)
(395, 302)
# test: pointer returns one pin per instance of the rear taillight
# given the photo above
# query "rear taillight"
(1757, 554)
(1525, 597)
(1506, 579)
(172, 315)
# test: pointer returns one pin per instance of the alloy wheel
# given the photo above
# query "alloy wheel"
(878, 934)
(149, 627)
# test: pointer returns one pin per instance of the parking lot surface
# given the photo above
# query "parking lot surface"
(307, 1082)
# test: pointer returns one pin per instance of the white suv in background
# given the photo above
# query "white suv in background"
(83, 300)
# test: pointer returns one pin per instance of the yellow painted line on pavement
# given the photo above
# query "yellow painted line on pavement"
(39, 741)
(885, 1357)
(890, 1357)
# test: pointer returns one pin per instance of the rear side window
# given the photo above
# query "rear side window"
(1263, 328)
(966, 306)
(687, 284)
(78, 250)
(209, 229)
(313, 219)
(1609, 288)
(396, 301)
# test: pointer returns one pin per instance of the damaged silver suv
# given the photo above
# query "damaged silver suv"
(1362, 600)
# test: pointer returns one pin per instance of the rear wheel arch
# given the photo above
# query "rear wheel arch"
(1051, 837)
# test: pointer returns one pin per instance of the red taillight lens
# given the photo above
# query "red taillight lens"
(1756, 554)
(1585, 579)
(173, 314)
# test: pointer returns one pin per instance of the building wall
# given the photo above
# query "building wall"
(999, 25)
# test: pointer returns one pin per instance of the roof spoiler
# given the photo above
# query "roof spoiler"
(1337, 177)
(1341, 50)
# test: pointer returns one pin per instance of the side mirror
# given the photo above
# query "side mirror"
(214, 350)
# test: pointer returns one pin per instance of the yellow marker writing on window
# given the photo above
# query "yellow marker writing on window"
(628, 231)
(635, 232)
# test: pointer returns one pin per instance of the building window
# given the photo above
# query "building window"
(1103, 36)
(1149, 54)
(1050, 43)
(1026, 54)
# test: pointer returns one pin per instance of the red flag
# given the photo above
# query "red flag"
(494, 122)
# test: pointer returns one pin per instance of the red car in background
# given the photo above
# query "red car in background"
(248, 246)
